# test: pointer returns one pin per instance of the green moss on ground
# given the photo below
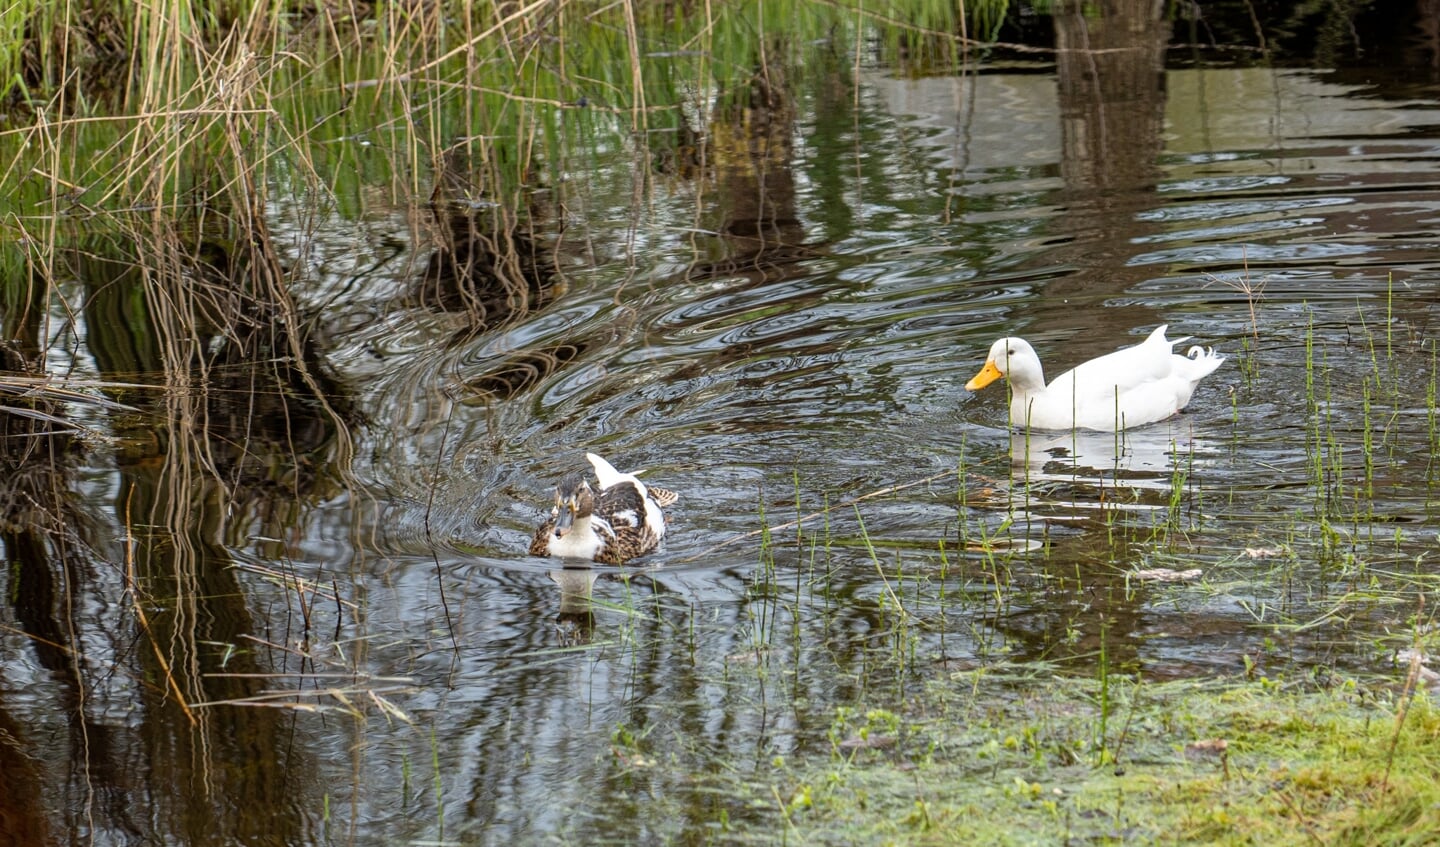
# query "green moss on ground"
(980, 759)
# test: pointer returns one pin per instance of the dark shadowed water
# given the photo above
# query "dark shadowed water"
(788, 334)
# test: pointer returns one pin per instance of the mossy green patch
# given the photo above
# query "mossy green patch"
(982, 759)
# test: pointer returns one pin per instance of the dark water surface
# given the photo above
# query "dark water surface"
(785, 335)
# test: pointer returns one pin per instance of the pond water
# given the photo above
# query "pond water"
(786, 336)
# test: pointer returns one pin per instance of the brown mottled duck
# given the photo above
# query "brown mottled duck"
(620, 522)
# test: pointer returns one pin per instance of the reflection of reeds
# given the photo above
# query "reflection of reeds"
(206, 101)
(46, 530)
(486, 267)
(39, 398)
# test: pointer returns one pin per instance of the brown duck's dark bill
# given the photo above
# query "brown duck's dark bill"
(565, 520)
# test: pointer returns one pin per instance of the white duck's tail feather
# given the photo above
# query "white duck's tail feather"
(1202, 362)
(1158, 335)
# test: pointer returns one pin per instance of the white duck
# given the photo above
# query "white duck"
(1128, 388)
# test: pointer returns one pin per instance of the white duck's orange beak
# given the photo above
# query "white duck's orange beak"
(987, 375)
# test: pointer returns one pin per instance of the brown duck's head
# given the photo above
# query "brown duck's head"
(573, 500)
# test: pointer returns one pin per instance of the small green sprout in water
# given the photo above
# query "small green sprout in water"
(887, 720)
(623, 738)
(803, 798)
(919, 819)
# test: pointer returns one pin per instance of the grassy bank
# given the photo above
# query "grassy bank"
(1009, 756)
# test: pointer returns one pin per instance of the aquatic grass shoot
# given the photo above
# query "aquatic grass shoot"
(1432, 418)
(1254, 292)
(764, 585)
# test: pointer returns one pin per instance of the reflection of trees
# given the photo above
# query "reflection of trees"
(548, 726)
(46, 534)
(492, 267)
(486, 266)
(1111, 72)
(751, 141)
(1110, 68)
(1066, 620)
(759, 236)
(244, 426)
(250, 426)
(263, 414)
(168, 605)
(22, 803)
(1424, 41)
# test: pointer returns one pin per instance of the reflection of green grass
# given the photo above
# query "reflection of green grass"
(1006, 756)
(323, 103)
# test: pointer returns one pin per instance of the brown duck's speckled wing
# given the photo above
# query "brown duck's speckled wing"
(623, 508)
(540, 544)
(613, 554)
(662, 496)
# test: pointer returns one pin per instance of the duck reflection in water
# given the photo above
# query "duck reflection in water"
(1071, 476)
(575, 621)
(1152, 452)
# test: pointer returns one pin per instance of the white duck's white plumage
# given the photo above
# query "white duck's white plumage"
(1128, 388)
